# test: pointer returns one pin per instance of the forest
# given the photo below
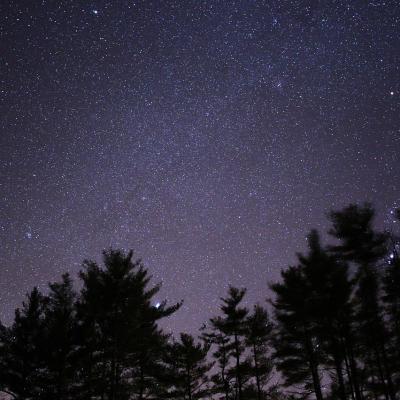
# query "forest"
(330, 331)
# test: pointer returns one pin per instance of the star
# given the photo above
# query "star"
(202, 141)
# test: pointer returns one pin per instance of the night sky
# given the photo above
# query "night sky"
(209, 136)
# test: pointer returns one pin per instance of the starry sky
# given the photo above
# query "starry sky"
(209, 136)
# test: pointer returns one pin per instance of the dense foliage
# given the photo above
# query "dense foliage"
(333, 333)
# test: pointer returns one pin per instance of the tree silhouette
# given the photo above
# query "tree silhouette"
(227, 331)
(258, 336)
(329, 292)
(297, 341)
(391, 300)
(222, 354)
(116, 309)
(232, 324)
(360, 244)
(23, 362)
(59, 335)
(334, 331)
(188, 369)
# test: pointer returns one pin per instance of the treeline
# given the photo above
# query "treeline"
(333, 331)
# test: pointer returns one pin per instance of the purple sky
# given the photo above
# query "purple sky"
(209, 136)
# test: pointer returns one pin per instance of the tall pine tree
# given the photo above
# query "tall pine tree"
(258, 337)
(59, 333)
(188, 369)
(120, 327)
(222, 353)
(227, 331)
(297, 341)
(360, 244)
(24, 366)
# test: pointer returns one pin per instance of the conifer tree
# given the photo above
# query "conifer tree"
(188, 366)
(232, 324)
(222, 381)
(227, 332)
(91, 381)
(120, 326)
(391, 299)
(330, 296)
(258, 337)
(360, 244)
(147, 353)
(59, 329)
(297, 338)
(391, 303)
(5, 340)
(24, 365)
(358, 241)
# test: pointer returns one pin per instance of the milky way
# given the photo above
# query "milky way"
(209, 136)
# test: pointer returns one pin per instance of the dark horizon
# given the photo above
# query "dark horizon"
(332, 330)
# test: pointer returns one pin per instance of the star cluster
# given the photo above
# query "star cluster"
(209, 136)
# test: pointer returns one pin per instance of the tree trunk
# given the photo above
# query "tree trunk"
(257, 373)
(349, 377)
(188, 382)
(313, 367)
(353, 369)
(113, 383)
(381, 373)
(238, 377)
(141, 384)
(225, 382)
(339, 374)
(388, 374)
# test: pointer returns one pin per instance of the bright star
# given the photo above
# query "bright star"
(95, 12)
(157, 305)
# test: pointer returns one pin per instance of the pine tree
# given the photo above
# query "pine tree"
(232, 325)
(222, 381)
(258, 336)
(90, 355)
(5, 340)
(119, 327)
(188, 366)
(360, 244)
(59, 326)
(148, 352)
(330, 295)
(391, 299)
(297, 338)
(23, 362)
